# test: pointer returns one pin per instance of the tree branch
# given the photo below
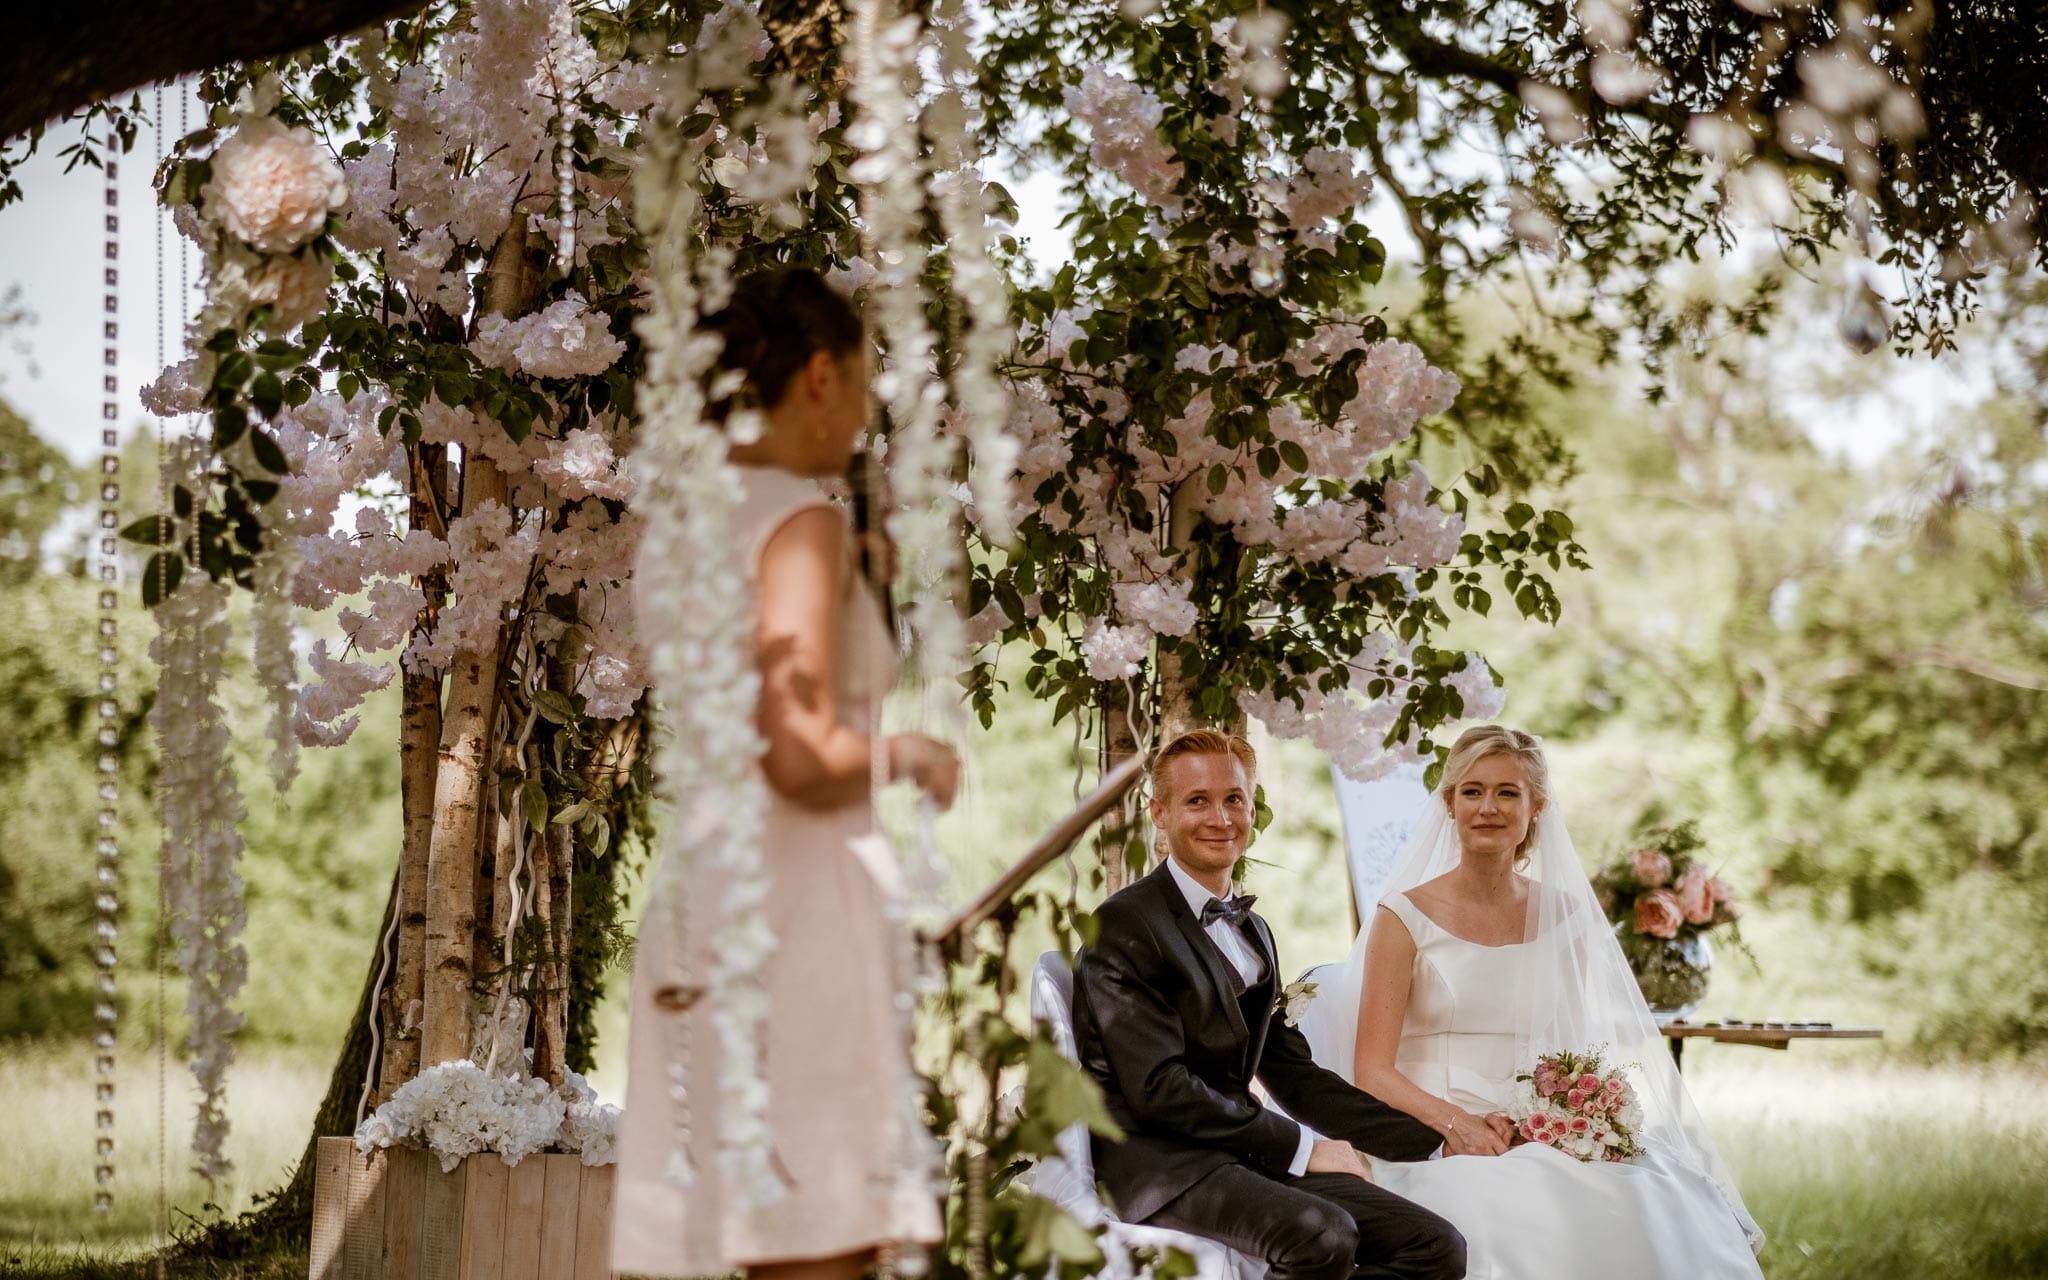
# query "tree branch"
(1949, 660)
(59, 58)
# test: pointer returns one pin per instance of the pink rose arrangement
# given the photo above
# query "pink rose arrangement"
(1663, 889)
(1662, 897)
(1573, 1102)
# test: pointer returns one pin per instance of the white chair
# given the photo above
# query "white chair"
(1068, 1179)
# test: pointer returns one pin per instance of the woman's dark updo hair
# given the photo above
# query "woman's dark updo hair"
(775, 323)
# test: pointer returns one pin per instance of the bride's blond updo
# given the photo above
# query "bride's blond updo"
(1475, 745)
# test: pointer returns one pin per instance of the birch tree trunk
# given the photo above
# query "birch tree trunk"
(463, 781)
(419, 742)
(1171, 713)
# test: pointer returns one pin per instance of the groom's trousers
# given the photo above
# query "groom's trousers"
(1320, 1226)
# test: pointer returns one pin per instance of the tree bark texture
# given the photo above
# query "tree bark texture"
(419, 743)
(59, 57)
(464, 782)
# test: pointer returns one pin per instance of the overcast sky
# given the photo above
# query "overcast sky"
(53, 249)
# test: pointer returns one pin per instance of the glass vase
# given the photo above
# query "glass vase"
(1671, 972)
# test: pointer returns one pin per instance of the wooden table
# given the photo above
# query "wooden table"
(1773, 1034)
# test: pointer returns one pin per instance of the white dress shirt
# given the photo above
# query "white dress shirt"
(1250, 966)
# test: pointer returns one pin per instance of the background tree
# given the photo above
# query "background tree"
(1836, 664)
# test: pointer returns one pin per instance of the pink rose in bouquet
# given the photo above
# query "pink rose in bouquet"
(1651, 866)
(1695, 890)
(1658, 914)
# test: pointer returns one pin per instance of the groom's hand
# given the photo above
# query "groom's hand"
(1329, 1155)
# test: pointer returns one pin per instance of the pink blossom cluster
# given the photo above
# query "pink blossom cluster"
(585, 464)
(1403, 529)
(340, 512)
(1161, 607)
(1123, 121)
(1329, 185)
(565, 339)
(1113, 652)
(324, 718)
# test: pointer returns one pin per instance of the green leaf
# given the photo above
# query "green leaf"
(554, 706)
(151, 531)
(268, 453)
(533, 804)
(161, 576)
(234, 369)
(1058, 1094)
(1219, 477)
(1047, 1233)
(1294, 456)
(229, 423)
(1520, 514)
(267, 394)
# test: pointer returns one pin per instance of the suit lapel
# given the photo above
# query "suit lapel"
(1206, 955)
(1272, 989)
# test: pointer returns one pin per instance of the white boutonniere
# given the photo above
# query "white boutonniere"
(1294, 998)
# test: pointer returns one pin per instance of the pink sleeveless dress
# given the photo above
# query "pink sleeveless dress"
(835, 1059)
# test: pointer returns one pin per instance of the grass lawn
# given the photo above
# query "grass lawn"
(46, 1186)
(1872, 1171)
(1856, 1167)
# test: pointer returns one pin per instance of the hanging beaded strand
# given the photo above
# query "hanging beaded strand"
(163, 512)
(106, 1010)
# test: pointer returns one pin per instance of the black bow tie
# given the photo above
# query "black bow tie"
(1231, 910)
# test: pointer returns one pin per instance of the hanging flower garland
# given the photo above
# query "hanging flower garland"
(694, 601)
(202, 816)
(270, 642)
(924, 517)
(985, 333)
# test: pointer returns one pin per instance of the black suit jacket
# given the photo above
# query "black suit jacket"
(1159, 1025)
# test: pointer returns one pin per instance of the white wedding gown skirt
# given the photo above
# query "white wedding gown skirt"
(1536, 1213)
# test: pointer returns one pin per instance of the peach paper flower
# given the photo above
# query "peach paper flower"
(272, 186)
(1658, 914)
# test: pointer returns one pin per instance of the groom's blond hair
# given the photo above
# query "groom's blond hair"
(1202, 742)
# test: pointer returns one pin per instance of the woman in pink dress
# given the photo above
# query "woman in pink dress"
(835, 1059)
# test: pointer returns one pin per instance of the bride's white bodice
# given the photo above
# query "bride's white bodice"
(1458, 1039)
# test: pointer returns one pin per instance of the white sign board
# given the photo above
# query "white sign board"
(1378, 817)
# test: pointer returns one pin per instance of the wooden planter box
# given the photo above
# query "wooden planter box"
(393, 1215)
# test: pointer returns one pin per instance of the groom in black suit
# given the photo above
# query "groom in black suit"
(1176, 1012)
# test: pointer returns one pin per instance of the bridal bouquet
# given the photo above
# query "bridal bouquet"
(1572, 1102)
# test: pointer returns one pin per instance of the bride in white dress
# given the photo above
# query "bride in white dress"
(1487, 951)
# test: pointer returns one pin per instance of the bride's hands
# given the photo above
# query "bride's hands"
(929, 764)
(1466, 1134)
